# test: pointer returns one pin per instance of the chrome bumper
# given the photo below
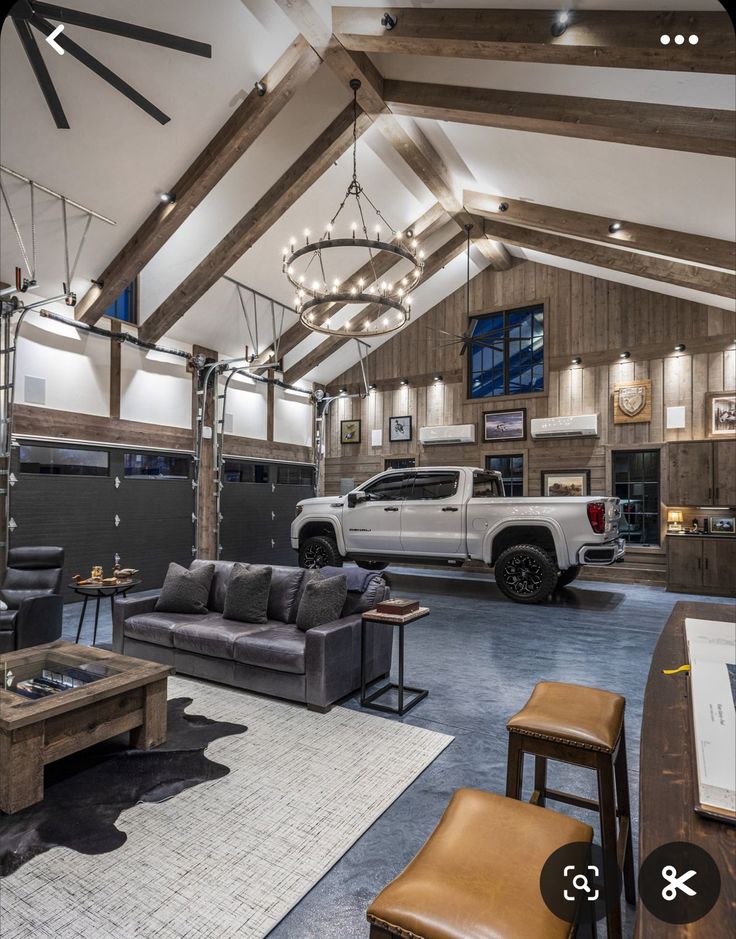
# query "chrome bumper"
(601, 555)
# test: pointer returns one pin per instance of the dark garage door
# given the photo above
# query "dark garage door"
(258, 505)
(96, 502)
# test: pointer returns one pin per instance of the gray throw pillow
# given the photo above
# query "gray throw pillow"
(246, 599)
(322, 601)
(185, 591)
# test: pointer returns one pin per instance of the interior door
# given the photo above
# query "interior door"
(373, 526)
(433, 516)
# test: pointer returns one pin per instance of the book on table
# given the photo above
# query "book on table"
(398, 607)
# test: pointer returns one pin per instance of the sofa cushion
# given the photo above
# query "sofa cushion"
(357, 602)
(185, 591)
(321, 602)
(247, 594)
(213, 636)
(157, 628)
(220, 580)
(283, 598)
(279, 647)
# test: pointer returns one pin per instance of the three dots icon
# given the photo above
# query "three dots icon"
(679, 39)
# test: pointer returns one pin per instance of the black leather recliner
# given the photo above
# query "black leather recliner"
(31, 589)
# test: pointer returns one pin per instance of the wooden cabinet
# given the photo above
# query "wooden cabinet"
(701, 564)
(724, 470)
(702, 472)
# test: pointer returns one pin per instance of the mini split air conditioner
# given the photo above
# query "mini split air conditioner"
(581, 425)
(453, 433)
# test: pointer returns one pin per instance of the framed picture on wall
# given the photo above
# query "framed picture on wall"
(504, 425)
(565, 482)
(722, 525)
(349, 431)
(399, 429)
(720, 413)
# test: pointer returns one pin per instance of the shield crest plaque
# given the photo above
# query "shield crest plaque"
(632, 402)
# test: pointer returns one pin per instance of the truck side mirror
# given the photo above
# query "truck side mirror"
(355, 497)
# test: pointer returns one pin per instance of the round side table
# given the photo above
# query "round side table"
(97, 592)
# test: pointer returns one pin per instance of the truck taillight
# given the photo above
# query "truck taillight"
(597, 516)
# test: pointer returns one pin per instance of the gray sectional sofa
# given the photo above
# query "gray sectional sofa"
(316, 667)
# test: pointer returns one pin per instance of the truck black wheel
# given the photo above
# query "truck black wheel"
(568, 576)
(526, 573)
(319, 551)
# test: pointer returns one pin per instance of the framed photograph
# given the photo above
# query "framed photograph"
(504, 425)
(399, 429)
(722, 525)
(565, 482)
(720, 413)
(349, 431)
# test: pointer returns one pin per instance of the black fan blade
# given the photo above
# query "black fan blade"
(68, 45)
(128, 30)
(41, 72)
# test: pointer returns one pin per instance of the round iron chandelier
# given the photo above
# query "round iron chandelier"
(320, 296)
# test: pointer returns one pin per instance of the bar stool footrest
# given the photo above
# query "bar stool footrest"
(568, 798)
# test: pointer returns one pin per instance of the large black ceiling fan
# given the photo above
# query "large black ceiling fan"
(26, 14)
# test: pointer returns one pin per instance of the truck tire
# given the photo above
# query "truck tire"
(319, 551)
(526, 573)
(568, 576)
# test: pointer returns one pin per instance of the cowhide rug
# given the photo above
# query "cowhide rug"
(86, 792)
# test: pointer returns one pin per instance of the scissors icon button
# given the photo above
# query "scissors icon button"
(676, 882)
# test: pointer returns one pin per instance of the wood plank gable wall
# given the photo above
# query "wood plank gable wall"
(586, 316)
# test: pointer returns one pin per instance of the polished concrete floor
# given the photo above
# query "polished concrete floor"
(480, 655)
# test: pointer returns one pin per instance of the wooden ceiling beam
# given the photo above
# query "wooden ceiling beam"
(434, 263)
(664, 126)
(242, 128)
(427, 223)
(681, 246)
(628, 262)
(608, 38)
(412, 146)
(306, 170)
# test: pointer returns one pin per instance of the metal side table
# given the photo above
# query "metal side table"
(417, 694)
(97, 592)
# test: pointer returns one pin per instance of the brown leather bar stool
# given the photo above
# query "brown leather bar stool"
(583, 726)
(478, 874)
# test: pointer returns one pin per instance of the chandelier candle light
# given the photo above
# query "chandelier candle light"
(317, 293)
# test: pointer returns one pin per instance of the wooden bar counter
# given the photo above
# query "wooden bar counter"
(667, 790)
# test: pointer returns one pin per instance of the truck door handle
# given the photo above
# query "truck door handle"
(449, 508)
(390, 508)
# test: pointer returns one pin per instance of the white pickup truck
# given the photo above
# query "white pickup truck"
(455, 513)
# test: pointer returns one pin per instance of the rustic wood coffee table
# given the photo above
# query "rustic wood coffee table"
(115, 694)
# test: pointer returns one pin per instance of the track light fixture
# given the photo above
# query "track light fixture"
(260, 88)
(437, 378)
(577, 360)
(614, 227)
(342, 391)
(560, 24)
(404, 381)
(503, 206)
(680, 347)
(388, 22)
(372, 386)
(168, 198)
(624, 355)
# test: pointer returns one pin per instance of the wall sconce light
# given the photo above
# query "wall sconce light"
(437, 378)
(624, 355)
(674, 520)
(503, 206)
(260, 88)
(680, 347)
(614, 227)
(404, 381)
(560, 24)
(577, 360)
(342, 391)
(388, 22)
(168, 198)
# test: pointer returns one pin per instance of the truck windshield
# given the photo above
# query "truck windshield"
(486, 486)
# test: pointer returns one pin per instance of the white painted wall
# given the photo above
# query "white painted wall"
(155, 391)
(247, 403)
(292, 418)
(74, 366)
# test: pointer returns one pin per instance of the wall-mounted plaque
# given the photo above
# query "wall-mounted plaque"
(632, 402)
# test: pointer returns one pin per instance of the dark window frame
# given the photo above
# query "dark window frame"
(172, 455)
(625, 527)
(399, 463)
(241, 463)
(506, 312)
(51, 447)
(512, 479)
(301, 468)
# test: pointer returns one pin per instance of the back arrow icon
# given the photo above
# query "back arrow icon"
(52, 36)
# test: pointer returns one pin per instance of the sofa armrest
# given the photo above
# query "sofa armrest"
(125, 607)
(332, 658)
(39, 620)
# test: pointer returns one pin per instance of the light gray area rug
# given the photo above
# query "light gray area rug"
(230, 857)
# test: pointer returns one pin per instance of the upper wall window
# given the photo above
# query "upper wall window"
(156, 466)
(236, 472)
(64, 461)
(125, 308)
(294, 474)
(508, 356)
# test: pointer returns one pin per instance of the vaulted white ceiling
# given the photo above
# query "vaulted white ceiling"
(116, 159)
